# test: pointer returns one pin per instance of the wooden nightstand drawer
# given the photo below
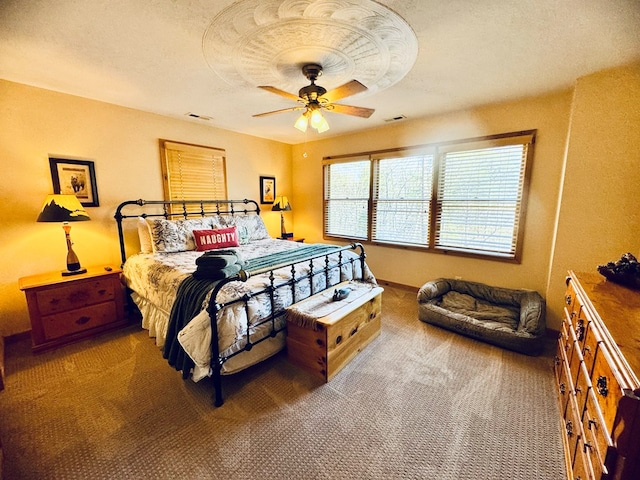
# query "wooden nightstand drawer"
(63, 309)
(75, 295)
(66, 323)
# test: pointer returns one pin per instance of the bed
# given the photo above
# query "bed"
(213, 287)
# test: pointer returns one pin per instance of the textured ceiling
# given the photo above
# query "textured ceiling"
(418, 57)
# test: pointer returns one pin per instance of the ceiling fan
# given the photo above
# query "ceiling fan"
(314, 98)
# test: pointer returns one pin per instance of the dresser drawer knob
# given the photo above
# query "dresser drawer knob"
(82, 320)
(580, 330)
(556, 360)
(568, 299)
(601, 386)
(592, 423)
(569, 428)
(563, 388)
(587, 445)
(338, 339)
(353, 332)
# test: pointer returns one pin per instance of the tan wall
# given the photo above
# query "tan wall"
(599, 214)
(123, 143)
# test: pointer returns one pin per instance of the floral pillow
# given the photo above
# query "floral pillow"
(169, 236)
(251, 226)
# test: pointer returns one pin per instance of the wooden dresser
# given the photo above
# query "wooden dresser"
(597, 367)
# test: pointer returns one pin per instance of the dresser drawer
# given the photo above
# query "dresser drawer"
(582, 465)
(565, 387)
(75, 295)
(572, 306)
(573, 427)
(597, 436)
(65, 323)
(590, 346)
(582, 386)
(606, 387)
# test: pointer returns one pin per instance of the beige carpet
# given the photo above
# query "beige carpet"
(418, 403)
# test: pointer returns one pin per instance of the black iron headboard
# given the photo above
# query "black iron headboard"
(180, 209)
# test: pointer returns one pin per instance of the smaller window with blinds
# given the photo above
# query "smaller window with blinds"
(193, 172)
(465, 197)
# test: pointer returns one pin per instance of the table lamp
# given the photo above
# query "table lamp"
(65, 209)
(281, 204)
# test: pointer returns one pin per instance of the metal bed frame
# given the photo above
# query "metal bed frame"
(172, 209)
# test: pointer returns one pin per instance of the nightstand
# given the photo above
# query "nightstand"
(63, 309)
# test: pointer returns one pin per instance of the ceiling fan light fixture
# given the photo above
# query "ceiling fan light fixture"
(302, 122)
(316, 118)
(324, 125)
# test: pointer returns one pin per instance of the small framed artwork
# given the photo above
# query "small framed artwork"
(267, 189)
(75, 177)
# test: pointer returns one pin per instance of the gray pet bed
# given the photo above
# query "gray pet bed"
(512, 319)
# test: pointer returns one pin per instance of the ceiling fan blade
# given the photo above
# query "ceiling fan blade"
(350, 110)
(282, 93)
(292, 109)
(343, 91)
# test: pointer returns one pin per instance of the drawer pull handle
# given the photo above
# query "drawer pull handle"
(556, 360)
(563, 388)
(587, 446)
(102, 292)
(602, 386)
(568, 299)
(592, 423)
(338, 339)
(580, 330)
(353, 332)
(569, 428)
(82, 320)
(586, 349)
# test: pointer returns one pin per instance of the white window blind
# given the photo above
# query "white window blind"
(402, 198)
(346, 198)
(193, 172)
(479, 198)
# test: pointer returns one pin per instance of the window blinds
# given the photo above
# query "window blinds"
(193, 172)
(402, 198)
(346, 198)
(480, 196)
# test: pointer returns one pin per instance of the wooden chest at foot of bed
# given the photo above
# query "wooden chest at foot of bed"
(323, 336)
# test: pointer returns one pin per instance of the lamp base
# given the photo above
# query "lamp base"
(67, 273)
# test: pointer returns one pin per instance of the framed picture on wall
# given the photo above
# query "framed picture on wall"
(75, 177)
(267, 189)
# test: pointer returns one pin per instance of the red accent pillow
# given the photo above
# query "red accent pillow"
(218, 238)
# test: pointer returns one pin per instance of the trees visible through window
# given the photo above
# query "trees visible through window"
(466, 196)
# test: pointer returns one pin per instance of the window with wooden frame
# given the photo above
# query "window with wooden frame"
(466, 197)
(193, 172)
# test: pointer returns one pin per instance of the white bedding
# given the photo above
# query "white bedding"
(155, 279)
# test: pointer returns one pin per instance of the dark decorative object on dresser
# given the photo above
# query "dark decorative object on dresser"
(625, 271)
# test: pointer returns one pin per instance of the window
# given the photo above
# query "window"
(466, 196)
(193, 172)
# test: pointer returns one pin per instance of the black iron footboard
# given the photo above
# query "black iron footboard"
(217, 361)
